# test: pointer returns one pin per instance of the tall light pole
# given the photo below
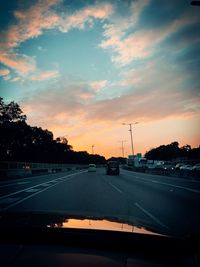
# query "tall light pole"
(122, 147)
(92, 149)
(130, 129)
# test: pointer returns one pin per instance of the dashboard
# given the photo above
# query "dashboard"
(33, 246)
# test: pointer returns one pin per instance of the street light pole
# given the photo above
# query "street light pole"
(92, 149)
(131, 138)
(130, 130)
(122, 142)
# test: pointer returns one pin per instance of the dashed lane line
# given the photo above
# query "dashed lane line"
(11, 184)
(150, 215)
(8, 200)
(32, 190)
(115, 187)
(168, 184)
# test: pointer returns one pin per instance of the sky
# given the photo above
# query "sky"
(82, 68)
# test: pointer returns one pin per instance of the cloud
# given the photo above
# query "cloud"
(144, 106)
(98, 85)
(4, 72)
(40, 48)
(16, 79)
(31, 22)
(127, 43)
(156, 94)
(45, 75)
(21, 63)
(7, 77)
(79, 18)
(41, 16)
(71, 97)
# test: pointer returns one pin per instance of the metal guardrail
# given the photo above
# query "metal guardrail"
(9, 169)
(7, 165)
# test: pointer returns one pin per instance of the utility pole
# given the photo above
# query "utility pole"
(130, 130)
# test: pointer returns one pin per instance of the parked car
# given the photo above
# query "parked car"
(178, 165)
(186, 167)
(112, 167)
(168, 168)
(196, 167)
(92, 168)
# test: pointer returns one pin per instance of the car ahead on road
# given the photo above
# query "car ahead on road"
(92, 168)
(112, 167)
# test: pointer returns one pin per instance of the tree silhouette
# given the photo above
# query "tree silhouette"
(10, 112)
(172, 151)
(21, 142)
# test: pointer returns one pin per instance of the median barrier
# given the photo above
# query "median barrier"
(9, 170)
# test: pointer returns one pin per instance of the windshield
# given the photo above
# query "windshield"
(99, 112)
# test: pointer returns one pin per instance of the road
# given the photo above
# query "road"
(167, 204)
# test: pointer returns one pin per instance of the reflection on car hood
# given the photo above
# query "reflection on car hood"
(44, 220)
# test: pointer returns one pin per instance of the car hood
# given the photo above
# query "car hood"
(56, 220)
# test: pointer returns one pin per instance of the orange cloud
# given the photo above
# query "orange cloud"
(140, 44)
(21, 63)
(4, 72)
(98, 85)
(79, 18)
(45, 75)
(30, 24)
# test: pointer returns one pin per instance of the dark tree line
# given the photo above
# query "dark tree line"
(22, 142)
(173, 151)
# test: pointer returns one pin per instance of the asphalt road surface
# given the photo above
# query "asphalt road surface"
(166, 204)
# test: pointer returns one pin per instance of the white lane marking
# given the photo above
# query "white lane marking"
(163, 183)
(178, 186)
(162, 176)
(115, 187)
(36, 193)
(11, 184)
(44, 185)
(23, 190)
(8, 200)
(32, 190)
(150, 215)
(31, 178)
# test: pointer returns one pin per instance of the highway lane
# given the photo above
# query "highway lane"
(164, 204)
(13, 185)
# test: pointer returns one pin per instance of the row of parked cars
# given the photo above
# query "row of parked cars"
(181, 166)
(178, 166)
